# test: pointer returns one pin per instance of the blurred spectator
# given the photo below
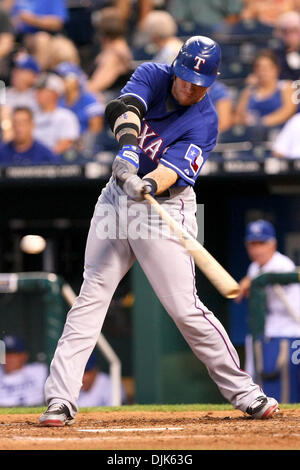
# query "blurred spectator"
(288, 52)
(61, 49)
(31, 16)
(273, 368)
(133, 9)
(160, 28)
(208, 14)
(35, 21)
(87, 107)
(266, 101)
(56, 127)
(7, 41)
(113, 65)
(21, 384)
(23, 149)
(96, 387)
(266, 11)
(222, 100)
(79, 28)
(23, 77)
(287, 142)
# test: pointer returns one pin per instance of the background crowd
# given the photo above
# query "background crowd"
(61, 61)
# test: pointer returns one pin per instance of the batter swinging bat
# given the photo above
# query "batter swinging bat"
(217, 275)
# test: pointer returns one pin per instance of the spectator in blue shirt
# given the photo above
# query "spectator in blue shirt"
(83, 103)
(266, 101)
(222, 101)
(35, 21)
(23, 149)
(24, 74)
(30, 16)
(86, 105)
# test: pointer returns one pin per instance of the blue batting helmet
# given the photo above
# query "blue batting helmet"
(198, 61)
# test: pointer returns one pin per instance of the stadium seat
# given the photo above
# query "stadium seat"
(234, 72)
(106, 142)
(191, 28)
(249, 29)
(144, 53)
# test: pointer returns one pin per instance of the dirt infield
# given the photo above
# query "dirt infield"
(212, 430)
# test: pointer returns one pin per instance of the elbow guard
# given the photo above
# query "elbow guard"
(122, 117)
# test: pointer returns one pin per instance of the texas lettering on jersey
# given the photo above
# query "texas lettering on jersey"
(151, 149)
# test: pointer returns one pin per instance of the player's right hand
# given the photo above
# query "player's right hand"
(136, 188)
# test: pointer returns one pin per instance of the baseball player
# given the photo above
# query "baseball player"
(270, 357)
(166, 127)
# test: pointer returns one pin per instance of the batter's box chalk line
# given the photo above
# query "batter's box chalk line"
(131, 429)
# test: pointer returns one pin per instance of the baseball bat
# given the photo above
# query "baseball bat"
(212, 269)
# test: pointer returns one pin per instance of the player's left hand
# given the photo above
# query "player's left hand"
(126, 163)
(130, 153)
(136, 188)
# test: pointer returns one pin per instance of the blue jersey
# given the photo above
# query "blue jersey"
(85, 108)
(56, 8)
(179, 137)
(38, 154)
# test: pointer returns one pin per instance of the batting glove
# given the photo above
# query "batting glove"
(136, 188)
(126, 163)
(130, 153)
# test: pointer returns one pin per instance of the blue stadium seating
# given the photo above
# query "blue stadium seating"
(249, 29)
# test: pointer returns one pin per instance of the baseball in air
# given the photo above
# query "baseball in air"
(32, 244)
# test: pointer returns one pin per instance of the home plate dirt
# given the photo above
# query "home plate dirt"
(149, 430)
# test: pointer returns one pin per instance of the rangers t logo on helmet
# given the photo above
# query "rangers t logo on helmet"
(199, 61)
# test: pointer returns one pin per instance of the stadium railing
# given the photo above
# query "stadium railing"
(54, 296)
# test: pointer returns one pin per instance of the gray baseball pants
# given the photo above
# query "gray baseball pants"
(169, 269)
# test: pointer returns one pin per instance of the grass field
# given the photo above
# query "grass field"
(153, 427)
(182, 407)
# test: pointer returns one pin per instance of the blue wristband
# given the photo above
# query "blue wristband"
(130, 153)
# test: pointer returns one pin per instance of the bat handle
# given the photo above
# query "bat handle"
(150, 199)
